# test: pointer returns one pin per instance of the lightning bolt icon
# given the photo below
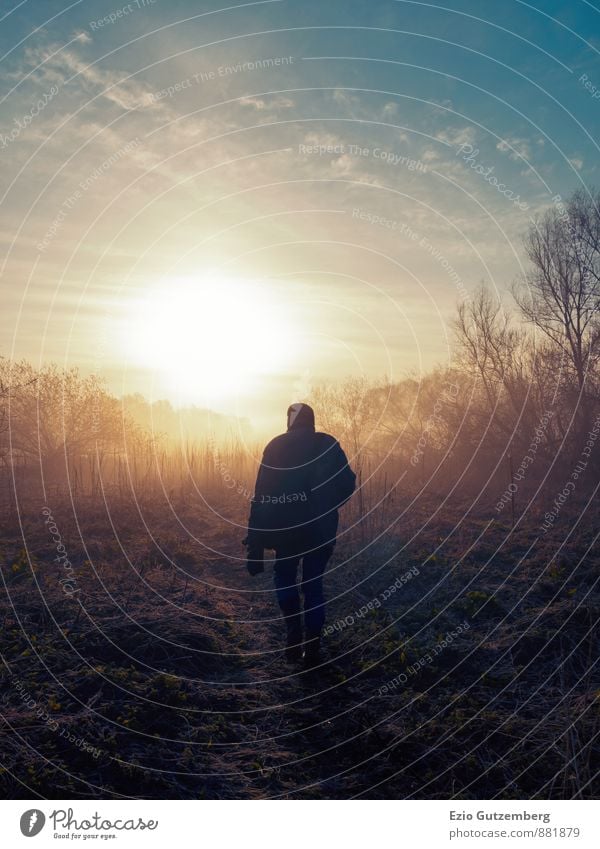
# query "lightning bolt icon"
(32, 820)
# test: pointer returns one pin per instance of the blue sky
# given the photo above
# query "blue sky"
(344, 158)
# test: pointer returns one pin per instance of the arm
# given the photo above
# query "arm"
(336, 480)
(344, 479)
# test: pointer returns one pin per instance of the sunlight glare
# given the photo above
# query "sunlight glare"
(211, 338)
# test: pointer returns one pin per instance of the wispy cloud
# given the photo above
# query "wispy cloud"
(271, 104)
(64, 66)
(516, 148)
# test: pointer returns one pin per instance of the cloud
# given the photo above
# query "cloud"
(59, 65)
(576, 162)
(341, 162)
(344, 165)
(262, 105)
(455, 136)
(345, 98)
(430, 155)
(516, 148)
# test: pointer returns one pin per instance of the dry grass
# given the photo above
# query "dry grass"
(167, 661)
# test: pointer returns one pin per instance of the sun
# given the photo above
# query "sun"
(210, 338)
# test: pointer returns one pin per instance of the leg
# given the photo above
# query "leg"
(313, 566)
(284, 571)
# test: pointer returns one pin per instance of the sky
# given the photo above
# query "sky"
(225, 204)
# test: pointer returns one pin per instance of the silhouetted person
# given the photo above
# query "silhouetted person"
(303, 479)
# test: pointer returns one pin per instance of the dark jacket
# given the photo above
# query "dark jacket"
(303, 479)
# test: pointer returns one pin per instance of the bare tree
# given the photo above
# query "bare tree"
(490, 349)
(560, 294)
(6, 389)
(349, 411)
(3, 420)
(55, 413)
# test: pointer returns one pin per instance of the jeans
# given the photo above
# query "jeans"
(285, 574)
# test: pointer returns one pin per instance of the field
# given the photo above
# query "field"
(139, 659)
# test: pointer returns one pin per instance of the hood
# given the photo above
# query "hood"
(300, 415)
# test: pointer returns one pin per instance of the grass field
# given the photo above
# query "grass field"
(141, 660)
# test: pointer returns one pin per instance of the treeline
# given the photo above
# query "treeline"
(517, 409)
(183, 424)
(519, 406)
(60, 430)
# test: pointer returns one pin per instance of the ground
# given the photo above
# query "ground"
(460, 660)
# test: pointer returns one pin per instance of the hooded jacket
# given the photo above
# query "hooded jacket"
(303, 480)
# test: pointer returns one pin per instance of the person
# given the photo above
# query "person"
(303, 479)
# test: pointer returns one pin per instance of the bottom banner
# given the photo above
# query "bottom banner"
(289, 823)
